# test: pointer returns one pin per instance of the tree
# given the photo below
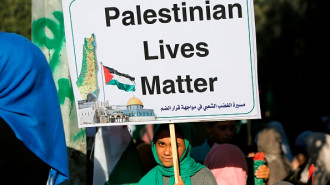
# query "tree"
(15, 16)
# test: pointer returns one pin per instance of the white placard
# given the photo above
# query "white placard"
(171, 61)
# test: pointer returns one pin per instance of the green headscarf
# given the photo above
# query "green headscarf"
(188, 166)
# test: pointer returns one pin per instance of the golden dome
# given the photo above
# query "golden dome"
(134, 101)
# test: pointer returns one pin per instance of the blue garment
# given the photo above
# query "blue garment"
(200, 152)
(302, 139)
(29, 102)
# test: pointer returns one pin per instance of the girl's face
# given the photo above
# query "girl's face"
(222, 131)
(164, 150)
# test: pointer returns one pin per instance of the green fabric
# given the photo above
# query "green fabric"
(188, 166)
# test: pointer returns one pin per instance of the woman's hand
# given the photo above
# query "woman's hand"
(180, 181)
(263, 172)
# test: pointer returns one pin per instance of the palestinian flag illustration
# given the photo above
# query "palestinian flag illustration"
(121, 80)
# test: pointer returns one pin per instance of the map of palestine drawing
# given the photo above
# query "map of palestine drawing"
(87, 81)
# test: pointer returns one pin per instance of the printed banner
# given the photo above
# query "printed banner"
(153, 61)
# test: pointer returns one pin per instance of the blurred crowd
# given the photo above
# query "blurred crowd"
(209, 153)
(227, 149)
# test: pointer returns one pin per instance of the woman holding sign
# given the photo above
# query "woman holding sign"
(191, 172)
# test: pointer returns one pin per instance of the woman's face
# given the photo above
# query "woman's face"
(164, 150)
(222, 131)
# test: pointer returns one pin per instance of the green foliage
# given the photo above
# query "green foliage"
(292, 66)
(15, 16)
(273, 18)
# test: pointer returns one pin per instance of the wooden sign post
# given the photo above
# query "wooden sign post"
(174, 153)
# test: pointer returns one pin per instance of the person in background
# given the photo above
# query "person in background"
(318, 150)
(32, 141)
(300, 158)
(269, 142)
(312, 148)
(228, 164)
(218, 132)
(191, 172)
(285, 141)
(222, 132)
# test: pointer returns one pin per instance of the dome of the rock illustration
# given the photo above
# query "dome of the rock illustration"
(136, 112)
(134, 101)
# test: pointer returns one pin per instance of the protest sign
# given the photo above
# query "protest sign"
(153, 61)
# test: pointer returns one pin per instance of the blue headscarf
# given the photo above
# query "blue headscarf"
(29, 102)
(302, 139)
